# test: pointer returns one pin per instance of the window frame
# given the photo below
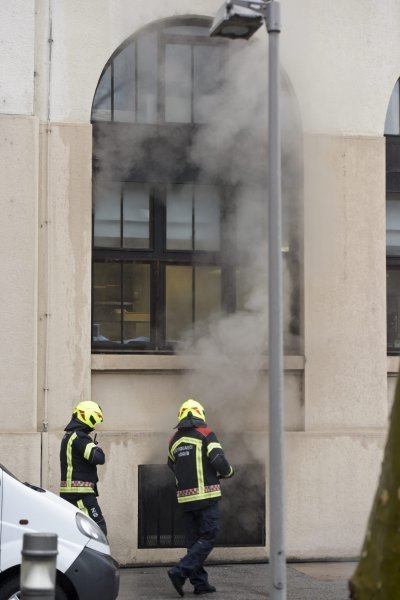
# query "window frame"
(180, 169)
(159, 257)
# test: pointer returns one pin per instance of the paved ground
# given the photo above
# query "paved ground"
(306, 581)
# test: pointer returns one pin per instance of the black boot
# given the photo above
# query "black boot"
(205, 589)
(177, 581)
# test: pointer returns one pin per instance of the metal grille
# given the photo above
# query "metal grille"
(242, 509)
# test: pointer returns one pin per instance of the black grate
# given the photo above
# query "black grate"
(242, 520)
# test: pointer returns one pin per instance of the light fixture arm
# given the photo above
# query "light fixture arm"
(270, 11)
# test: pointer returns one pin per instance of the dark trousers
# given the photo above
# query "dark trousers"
(201, 529)
(89, 505)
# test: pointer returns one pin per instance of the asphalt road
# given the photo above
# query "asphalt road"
(305, 581)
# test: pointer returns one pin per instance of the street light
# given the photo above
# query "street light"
(240, 19)
(235, 21)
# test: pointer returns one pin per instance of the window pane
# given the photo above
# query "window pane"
(207, 218)
(124, 85)
(136, 210)
(206, 65)
(178, 301)
(147, 79)
(101, 110)
(393, 224)
(393, 309)
(106, 302)
(178, 77)
(107, 216)
(392, 123)
(136, 303)
(207, 285)
(179, 217)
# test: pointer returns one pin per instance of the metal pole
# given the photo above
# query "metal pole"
(275, 335)
(38, 567)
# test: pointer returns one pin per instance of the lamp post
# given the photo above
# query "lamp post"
(239, 19)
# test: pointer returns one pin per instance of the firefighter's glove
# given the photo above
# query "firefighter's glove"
(229, 475)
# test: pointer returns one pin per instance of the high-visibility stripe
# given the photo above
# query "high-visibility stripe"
(88, 450)
(183, 499)
(76, 490)
(82, 507)
(199, 458)
(193, 491)
(212, 447)
(185, 440)
(69, 457)
(199, 467)
(77, 483)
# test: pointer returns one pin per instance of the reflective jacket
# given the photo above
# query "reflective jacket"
(198, 462)
(79, 457)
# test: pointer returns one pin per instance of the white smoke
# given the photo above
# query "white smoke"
(229, 349)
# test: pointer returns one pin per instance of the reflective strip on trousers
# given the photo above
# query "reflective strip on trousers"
(82, 507)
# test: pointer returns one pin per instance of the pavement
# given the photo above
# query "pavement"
(305, 581)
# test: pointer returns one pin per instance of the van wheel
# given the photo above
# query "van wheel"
(10, 589)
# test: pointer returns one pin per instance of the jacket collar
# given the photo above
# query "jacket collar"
(190, 423)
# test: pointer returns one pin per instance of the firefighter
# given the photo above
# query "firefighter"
(79, 457)
(198, 462)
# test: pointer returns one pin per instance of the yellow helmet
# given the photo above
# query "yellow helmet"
(89, 413)
(191, 408)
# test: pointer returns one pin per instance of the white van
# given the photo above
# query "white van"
(85, 568)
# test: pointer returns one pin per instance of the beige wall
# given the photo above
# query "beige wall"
(343, 59)
(20, 454)
(316, 44)
(345, 283)
(329, 482)
(17, 35)
(19, 162)
(65, 261)
(150, 390)
(331, 479)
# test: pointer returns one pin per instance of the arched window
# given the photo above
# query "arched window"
(164, 260)
(392, 133)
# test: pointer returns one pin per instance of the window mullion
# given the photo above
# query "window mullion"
(193, 246)
(122, 301)
(192, 84)
(112, 90)
(161, 62)
(159, 305)
(121, 217)
(136, 86)
(193, 294)
(159, 223)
